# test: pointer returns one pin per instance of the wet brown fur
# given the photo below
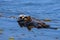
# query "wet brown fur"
(31, 25)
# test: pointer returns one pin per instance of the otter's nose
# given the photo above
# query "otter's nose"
(22, 17)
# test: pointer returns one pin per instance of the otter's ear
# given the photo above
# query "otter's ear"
(29, 18)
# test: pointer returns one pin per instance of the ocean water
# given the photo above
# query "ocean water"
(40, 9)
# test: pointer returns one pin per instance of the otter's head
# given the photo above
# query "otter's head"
(24, 18)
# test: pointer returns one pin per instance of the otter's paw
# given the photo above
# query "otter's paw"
(30, 27)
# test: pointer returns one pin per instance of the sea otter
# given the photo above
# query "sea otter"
(30, 22)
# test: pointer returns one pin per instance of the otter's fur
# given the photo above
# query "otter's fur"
(30, 22)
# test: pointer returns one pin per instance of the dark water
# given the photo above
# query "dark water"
(40, 9)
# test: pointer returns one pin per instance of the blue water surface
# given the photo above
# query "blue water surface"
(40, 9)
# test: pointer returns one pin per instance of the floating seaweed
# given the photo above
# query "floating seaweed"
(11, 38)
(47, 20)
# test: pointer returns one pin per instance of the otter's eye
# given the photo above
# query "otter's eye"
(20, 17)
